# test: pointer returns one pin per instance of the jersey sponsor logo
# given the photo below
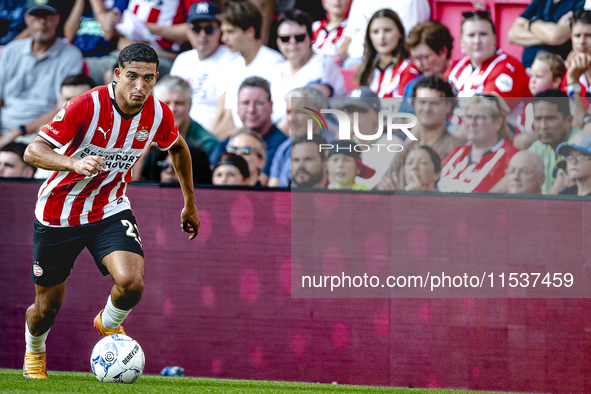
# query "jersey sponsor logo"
(50, 128)
(504, 83)
(60, 115)
(37, 270)
(141, 135)
(103, 131)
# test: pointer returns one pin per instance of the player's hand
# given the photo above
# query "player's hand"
(190, 220)
(90, 165)
(578, 65)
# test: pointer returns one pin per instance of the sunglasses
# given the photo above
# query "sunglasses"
(208, 29)
(164, 165)
(480, 14)
(298, 38)
(490, 97)
(245, 150)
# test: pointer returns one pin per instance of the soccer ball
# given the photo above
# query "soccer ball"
(117, 359)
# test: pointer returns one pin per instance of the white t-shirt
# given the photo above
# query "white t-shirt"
(204, 77)
(319, 69)
(411, 13)
(379, 158)
(238, 71)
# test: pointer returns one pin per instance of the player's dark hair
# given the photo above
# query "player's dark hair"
(316, 139)
(435, 82)
(256, 82)
(242, 14)
(78, 80)
(581, 16)
(300, 17)
(554, 96)
(434, 34)
(137, 52)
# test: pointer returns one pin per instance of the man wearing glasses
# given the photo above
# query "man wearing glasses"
(203, 66)
(251, 147)
(526, 173)
(578, 164)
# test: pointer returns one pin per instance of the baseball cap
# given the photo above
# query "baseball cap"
(363, 97)
(348, 148)
(580, 142)
(203, 10)
(230, 159)
(42, 7)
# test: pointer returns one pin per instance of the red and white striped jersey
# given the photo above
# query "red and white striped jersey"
(392, 81)
(502, 74)
(459, 175)
(585, 88)
(92, 124)
(163, 13)
(328, 42)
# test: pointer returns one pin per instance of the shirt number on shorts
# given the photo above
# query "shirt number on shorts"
(130, 233)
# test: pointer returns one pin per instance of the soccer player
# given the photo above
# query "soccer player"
(83, 204)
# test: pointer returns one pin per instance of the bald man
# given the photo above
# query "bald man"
(526, 173)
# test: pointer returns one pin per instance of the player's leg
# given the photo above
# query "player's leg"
(40, 318)
(117, 250)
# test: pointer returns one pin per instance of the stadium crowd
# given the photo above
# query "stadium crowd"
(242, 77)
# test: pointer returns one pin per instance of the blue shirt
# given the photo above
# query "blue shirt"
(281, 166)
(406, 106)
(547, 11)
(14, 14)
(90, 37)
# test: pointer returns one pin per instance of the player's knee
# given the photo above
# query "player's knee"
(133, 287)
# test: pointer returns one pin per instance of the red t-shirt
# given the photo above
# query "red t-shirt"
(91, 124)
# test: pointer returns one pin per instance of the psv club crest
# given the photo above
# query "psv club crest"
(142, 135)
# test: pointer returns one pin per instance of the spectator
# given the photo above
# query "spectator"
(422, 167)
(344, 165)
(241, 32)
(255, 108)
(434, 101)
(546, 73)
(231, 170)
(553, 123)
(12, 164)
(479, 165)
(486, 69)
(578, 75)
(526, 173)
(160, 23)
(165, 173)
(430, 45)
(544, 25)
(411, 12)
(297, 124)
(366, 104)
(302, 67)
(85, 32)
(203, 66)
(251, 146)
(308, 163)
(12, 21)
(327, 34)
(578, 164)
(385, 68)
(176, 93)
(31, 73)
(73, 85)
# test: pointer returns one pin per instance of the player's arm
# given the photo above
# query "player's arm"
(181, 161)
(40, 153)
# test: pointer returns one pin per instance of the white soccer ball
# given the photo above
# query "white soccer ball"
(117, 359)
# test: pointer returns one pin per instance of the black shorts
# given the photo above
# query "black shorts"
(55, 249)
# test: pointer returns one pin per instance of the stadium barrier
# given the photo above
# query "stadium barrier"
(220, 306)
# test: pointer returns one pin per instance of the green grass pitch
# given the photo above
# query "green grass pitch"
(12, 381)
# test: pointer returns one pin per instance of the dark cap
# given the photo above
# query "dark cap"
(363, 97)
(230, 159)
(348, 148)
(203, 10)
(43, 7)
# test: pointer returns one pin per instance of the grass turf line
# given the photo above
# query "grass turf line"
(12, 381)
